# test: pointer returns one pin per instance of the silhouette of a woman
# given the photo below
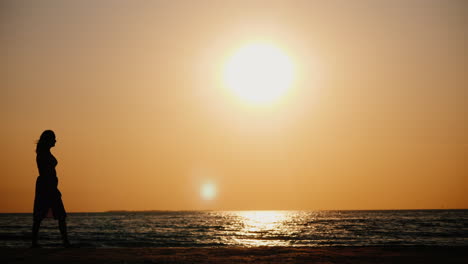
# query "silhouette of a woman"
(48, 199)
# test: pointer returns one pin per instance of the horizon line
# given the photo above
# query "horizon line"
(239, 210)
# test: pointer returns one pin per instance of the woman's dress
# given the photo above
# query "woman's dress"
(48, 199)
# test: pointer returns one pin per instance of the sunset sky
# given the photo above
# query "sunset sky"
(374, 112)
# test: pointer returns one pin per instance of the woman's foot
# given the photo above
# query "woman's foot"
(67, 244)
(35, 245)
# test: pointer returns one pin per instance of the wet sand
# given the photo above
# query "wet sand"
(238, 255)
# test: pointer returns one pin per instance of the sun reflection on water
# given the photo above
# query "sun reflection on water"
(260, 227)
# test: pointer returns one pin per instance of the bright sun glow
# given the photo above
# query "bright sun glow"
(259, 73)
(208, 191)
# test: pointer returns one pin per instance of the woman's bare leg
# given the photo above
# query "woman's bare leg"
(35, 232)
(63, 232)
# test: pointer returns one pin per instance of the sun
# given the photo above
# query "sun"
(259, 73)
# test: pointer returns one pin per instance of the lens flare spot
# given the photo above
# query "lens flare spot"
(208, 191)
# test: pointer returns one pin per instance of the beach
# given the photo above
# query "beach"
(238, 255)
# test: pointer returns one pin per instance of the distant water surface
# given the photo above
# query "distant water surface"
(246, 228)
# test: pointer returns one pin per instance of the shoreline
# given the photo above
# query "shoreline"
(383, 254)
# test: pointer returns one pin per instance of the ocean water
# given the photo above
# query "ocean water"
(246, 229)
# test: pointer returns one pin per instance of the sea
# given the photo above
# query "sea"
(245, 229)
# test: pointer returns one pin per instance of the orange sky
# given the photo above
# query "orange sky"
(377, 118)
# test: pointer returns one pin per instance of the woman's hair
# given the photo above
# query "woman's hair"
(45, 140)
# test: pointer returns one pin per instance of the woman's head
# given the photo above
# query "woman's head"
(46, 141)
